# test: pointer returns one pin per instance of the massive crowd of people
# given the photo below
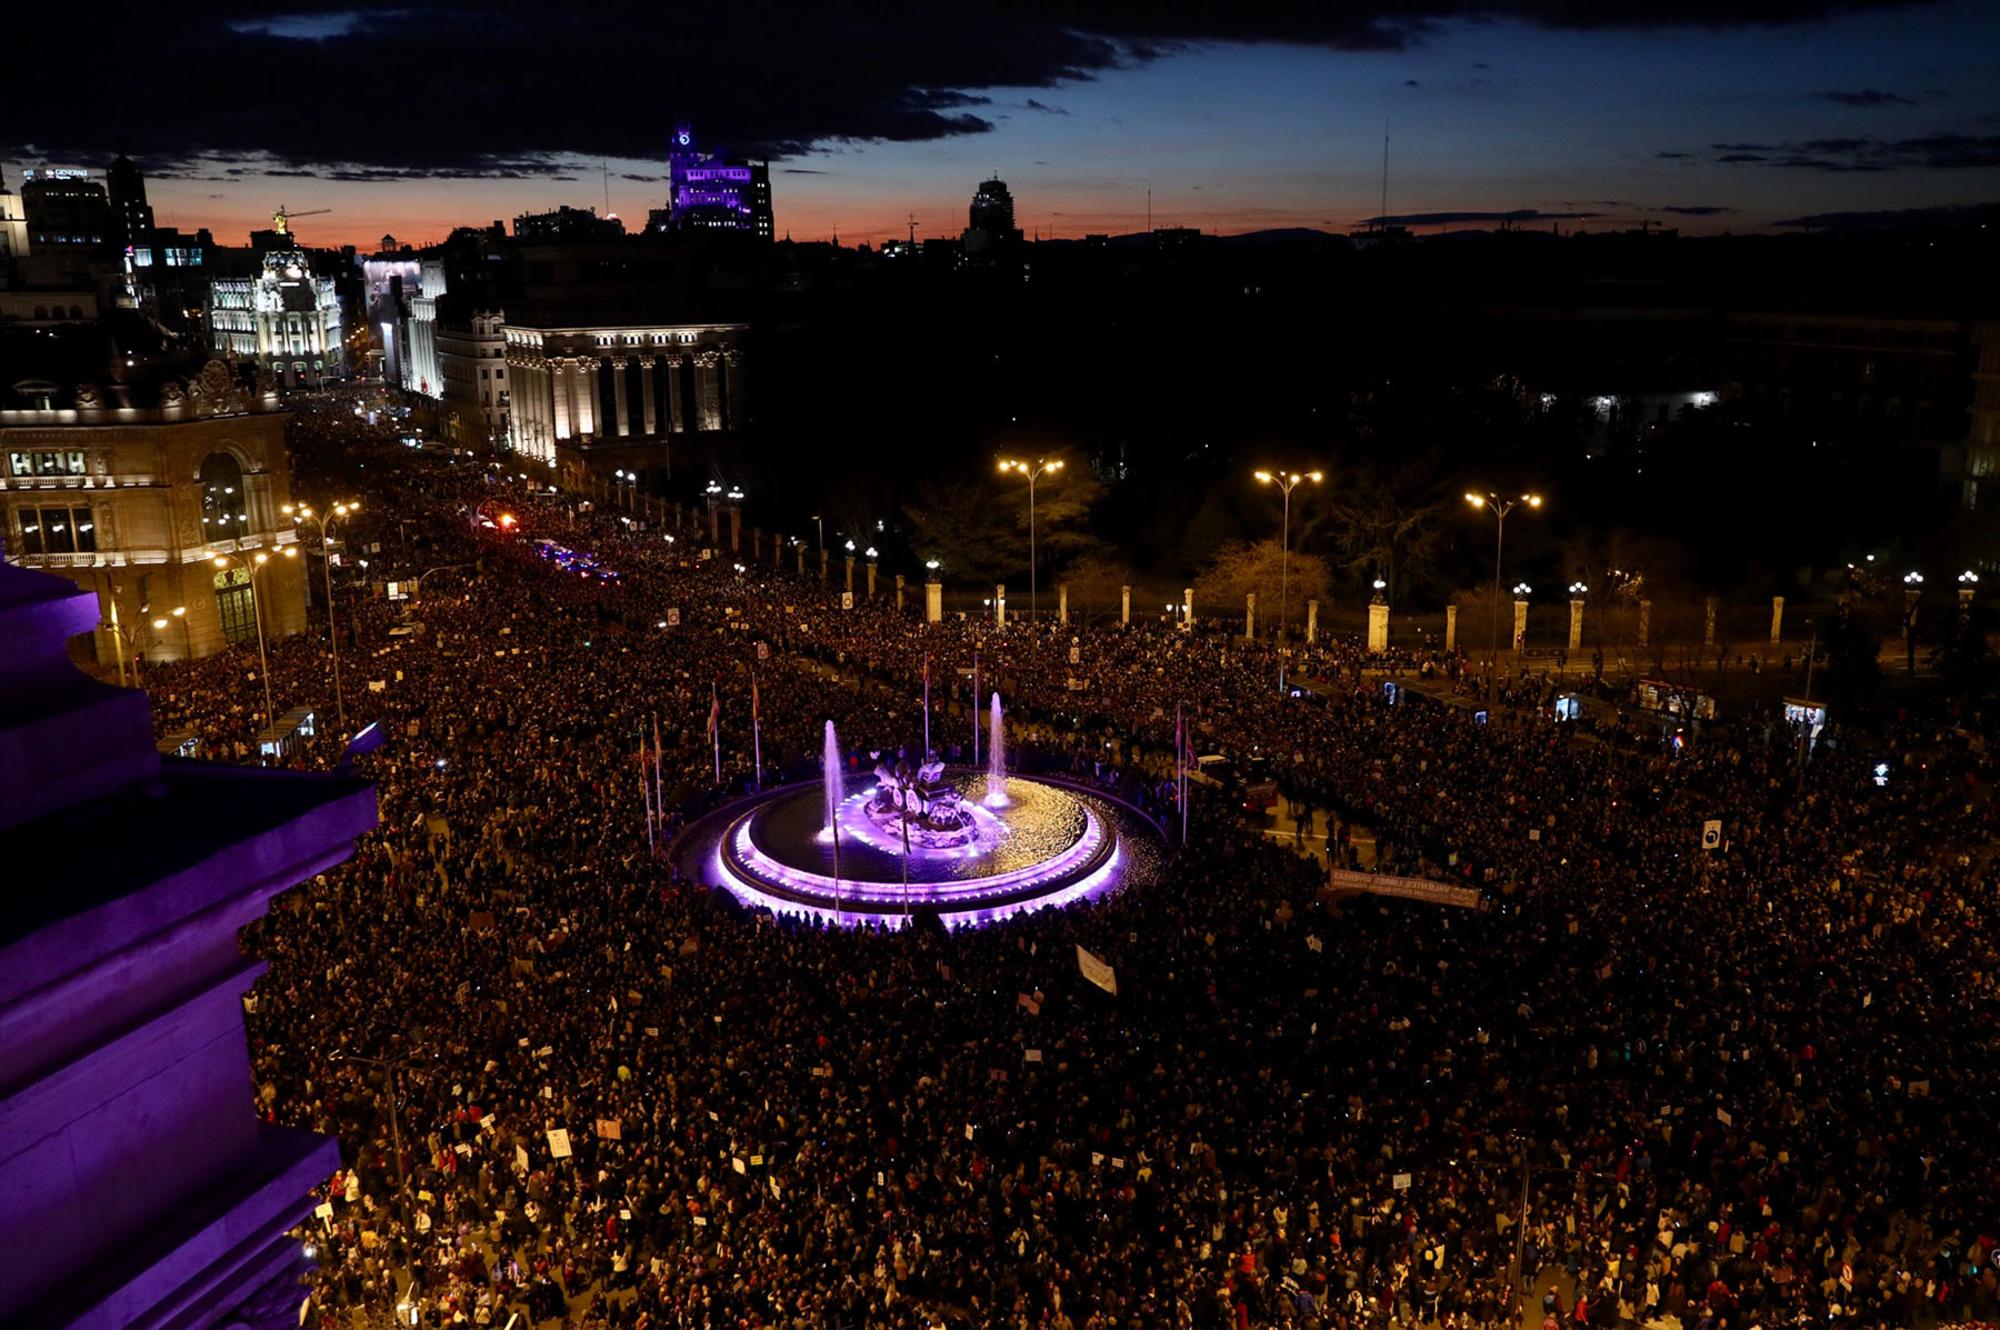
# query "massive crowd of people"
(1753, 1085)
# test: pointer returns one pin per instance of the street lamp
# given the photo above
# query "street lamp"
(1286, 481)
(327, 522)
(1499, 507)
(250, 567)
(1033, 471)
(179, 612)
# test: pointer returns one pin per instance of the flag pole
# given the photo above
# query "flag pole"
(756, 730)
(715, 726)
(659, 782)
(975, 708)
(927, 706)
(645, 790)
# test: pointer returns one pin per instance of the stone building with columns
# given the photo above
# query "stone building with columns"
(586, 399)
(133, 494)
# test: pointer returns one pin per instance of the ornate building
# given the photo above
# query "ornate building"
(286, 319)
(580, 394)
(471, 356)
(135, 504)
(141, 1189)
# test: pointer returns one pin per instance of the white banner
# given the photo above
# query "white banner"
(1097, 971)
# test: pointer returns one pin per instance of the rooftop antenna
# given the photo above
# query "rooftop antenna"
(605, 168)
(1149, 207)
(913, 228)
(1382, 217)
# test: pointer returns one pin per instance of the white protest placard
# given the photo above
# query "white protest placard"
(558, 1142)
(1722, 1116)
(737, 1164)
(521, 1159)
(1401, 1182)
(1033, 1055)
(1096, 971)
(1711, 834)
(1313, 944)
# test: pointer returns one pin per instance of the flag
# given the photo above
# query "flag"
(1096, 971)
(714, 711)
(659, 786)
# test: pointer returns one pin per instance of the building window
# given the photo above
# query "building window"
(224, 513)
(63, 530)
(31, 531)
(48, 462)
(236, 605)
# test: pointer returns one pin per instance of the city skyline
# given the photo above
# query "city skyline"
(1707, 122)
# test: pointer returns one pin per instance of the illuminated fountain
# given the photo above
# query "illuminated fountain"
(967, 845)
(830, 759)
(996, 762)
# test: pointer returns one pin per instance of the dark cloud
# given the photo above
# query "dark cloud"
(1967, 214)
(1675, 156)
(1034, 105)
(1462, 218)
(583, 80)
(1694, 209)
(642, 179)
(1924, 152)
(1411, 83)
(1865, 97)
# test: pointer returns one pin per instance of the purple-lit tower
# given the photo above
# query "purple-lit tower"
(137, 1186)
(706, 192)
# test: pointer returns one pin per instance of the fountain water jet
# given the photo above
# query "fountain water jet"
(830, 758)
(996, 761)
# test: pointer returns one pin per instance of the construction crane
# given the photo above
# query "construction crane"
(283, 219)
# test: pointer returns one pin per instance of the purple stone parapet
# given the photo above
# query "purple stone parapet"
(139, 1188)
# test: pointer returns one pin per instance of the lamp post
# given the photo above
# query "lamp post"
(327, 522)
(1033, 471)
(1286, 481)
(1499, 507)
(250, 567)
(1913, 590)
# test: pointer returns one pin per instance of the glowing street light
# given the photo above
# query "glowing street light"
(327, 522)
(1499, 507)
(1031, 471)
(1286, 481)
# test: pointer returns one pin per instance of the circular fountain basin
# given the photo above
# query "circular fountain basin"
(1048, 843)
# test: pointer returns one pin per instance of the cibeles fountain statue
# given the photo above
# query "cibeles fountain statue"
(970, 845)
(917, 799)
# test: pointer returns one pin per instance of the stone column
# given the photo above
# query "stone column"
(1062, 603)
(1450, 629)
(1708, 622)
(648, 413)
(1000, 605)
(822, 564)
(732, 387)
(707, 392)
(1645, 621)
(933, 601)
(1378, 626)
(735, 529)
(1575, 625)
(1312, 621)
(1520, 625)
(850, 574)
(871, 579)
(559, 395)
(757, 543)
(618, 368)
(1250, 616)
(1124, 607)
(899, 593)
(1964, 602)
(1777, 620)
(800, 550)
(1187, 609)
(676, 407)
(583, 390)
(714, 527)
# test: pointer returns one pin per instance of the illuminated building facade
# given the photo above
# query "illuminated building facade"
(579, 389)
(142, 1190)
(69, 209)
(709, 193)
(285, 319)
(135, 503)
(472, 360)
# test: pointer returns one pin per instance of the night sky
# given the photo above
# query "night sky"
(411, 118)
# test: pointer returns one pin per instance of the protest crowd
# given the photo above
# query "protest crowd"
(1747, 1086)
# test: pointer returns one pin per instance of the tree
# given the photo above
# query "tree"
(1386, 522)
(962, 528)
(1239, 569)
